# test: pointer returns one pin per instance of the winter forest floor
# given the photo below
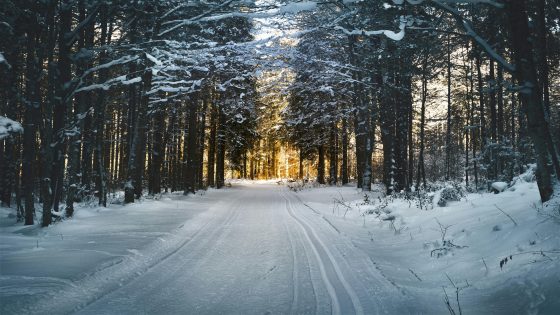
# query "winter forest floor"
(261, 248)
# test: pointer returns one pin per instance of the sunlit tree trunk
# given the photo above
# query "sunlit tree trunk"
(321, 165)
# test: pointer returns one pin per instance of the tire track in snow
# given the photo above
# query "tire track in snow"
(370, 279)
(97, 286)
(295, 278)
(211, 231)
(325, 263)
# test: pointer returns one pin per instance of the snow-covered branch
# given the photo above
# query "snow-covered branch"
(467, 25)
(396, 36)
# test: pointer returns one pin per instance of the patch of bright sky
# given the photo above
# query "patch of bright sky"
(276, 27)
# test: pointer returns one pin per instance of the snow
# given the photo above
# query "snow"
(110, 83)
(9, 127)
(4, 61)
(154, 60)
(499, 186)
(317, 250)
(396, 36)
(479, 236)
(296, 7)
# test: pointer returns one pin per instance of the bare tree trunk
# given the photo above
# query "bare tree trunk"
(220, 150)
(190, 178)
(424, 95)
(32, 113)
(321, 165)
(47, 151)
(202, 140)
(62, 102)
(344, 168)
(300, 173)
(532, 95)
(212, 147)
(481, 108)
(449, 113)
(158, 149)
(333, 156)
(98, 156)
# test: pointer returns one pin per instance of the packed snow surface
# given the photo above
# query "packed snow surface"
(260, 248)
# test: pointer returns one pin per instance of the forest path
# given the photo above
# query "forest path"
(261, 252)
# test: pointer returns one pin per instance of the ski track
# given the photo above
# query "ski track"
(96, 286)
(295, 291)
(320, 251)
(233, 259)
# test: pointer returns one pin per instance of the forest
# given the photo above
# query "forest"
(153, 96)
(327, 157)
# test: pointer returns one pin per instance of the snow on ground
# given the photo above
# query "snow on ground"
(35, 262)
(259, 248)
(499, 266)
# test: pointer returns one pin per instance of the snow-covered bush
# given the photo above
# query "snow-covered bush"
(451, 192)
(9, 127)
(527, 177)
(498, 187)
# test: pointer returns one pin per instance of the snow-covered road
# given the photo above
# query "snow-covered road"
(259, 251)
(259, 248)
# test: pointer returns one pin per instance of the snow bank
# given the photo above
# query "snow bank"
(501, 251)
(87, 255)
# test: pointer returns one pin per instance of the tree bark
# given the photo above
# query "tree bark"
(344, 167)
(191, 167)
(449, 113)
(32, 113)
(421, 174)
(531, 93)
(211, 147)
(220, 149)
(321, 165)
(333, 156)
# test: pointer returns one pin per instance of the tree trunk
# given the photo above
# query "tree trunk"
(133, 187)
(300, 173)
(100, 108)
(202, 140)
(424, 95)
(158, 149)
(344, 168)
(481, 108)
(531, 93)
(333, 156)
(191, 167)
(212, 147)
(321, 165)
(449, 114)
(32, 113)
(542, 48)
(47, 150)
(220, 149)
(62, 102)
(387, 124)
